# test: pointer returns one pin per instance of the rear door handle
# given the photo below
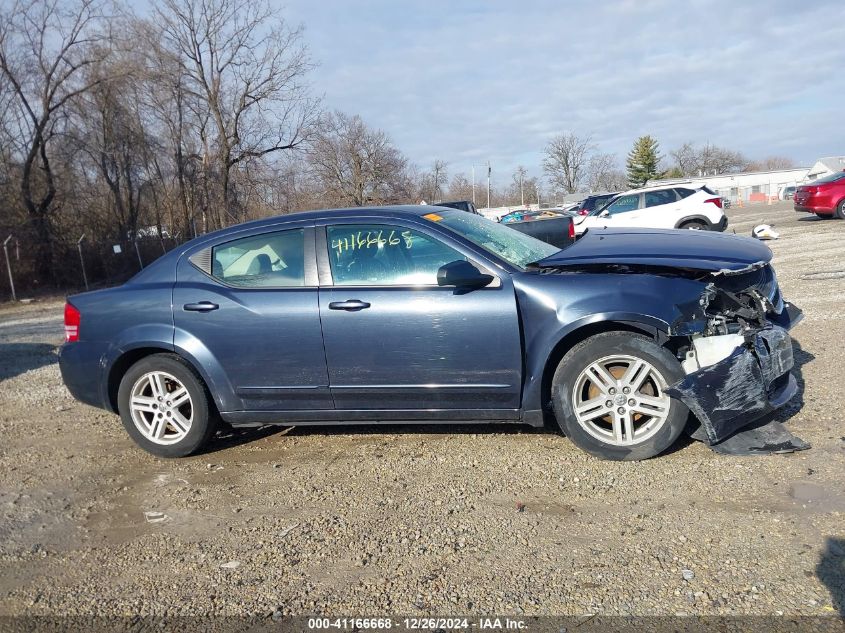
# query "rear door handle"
(350, 305)
(202, 306)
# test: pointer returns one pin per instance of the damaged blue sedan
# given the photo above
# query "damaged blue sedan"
(625, 339)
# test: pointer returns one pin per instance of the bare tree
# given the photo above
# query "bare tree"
(248, 67)
(172, 112)
(604, 173)
(435, 180)
(706, 160)
(460, 187)
(567, 157)
(355, 164)
(686, 159)
(45, 47)
(518, 182)
(770, 163)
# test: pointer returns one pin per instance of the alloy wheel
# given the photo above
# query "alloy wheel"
(161, 408)
(621, 400)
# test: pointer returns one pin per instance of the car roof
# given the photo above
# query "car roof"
(408, 211)
(687, 185)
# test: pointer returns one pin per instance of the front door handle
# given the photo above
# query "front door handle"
(350, 305)
(202, 306)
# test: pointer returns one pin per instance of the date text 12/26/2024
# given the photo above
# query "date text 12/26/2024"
(415, 624)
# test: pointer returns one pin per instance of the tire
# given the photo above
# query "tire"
(651, 434)
(177, 430)
(695, 225)
(840, 210)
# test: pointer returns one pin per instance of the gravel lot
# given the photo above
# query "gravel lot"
(421, 520)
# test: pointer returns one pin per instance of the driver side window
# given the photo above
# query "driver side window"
(624, 204)
(384, 255)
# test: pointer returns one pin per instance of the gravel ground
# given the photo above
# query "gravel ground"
(420, 520)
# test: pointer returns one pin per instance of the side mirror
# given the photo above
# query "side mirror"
(462, 274)
(604, 214)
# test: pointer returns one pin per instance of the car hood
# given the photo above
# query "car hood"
(698, 250)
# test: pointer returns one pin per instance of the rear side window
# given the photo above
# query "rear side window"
(684, 192)
(707, 189)
(269, 260)
(656, 198)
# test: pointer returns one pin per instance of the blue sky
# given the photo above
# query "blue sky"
(468, 81)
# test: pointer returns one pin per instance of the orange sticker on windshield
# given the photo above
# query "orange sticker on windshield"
(433, 217)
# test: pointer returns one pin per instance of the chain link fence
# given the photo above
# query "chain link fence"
(76, 264)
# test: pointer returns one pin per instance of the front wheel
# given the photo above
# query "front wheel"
(165, 407)
(840, 210)
(609, 397)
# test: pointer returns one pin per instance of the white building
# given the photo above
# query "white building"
(753, 186)
(826, 166)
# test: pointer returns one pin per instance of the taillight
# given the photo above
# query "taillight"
(72, 321)
(571, 230)
(716, 201)
(583, 212)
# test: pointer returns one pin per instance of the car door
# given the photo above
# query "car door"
(660, 209)
(621, 212)
(395, 340)
(247, 306)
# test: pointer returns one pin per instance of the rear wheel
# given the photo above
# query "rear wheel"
(609, 396)
(840, 210)
(695, 225)
(165, 407)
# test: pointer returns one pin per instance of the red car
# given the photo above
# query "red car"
(825, 196)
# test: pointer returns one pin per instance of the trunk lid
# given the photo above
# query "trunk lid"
(698, 250)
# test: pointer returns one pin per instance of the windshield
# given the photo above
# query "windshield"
(514, 247)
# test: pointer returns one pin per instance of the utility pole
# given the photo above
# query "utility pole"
(473, 185)
(9, 266)
(488, 184)
(82, 260)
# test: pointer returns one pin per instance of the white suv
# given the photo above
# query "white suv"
(664, 207)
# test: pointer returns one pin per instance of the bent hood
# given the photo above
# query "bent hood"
(673, 248)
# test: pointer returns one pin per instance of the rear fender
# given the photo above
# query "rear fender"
(203, 360)
(152, 335)
(693, 218)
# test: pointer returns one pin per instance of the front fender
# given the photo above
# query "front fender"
(554, 306)
(542, 349)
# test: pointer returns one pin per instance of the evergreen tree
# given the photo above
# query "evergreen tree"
(642, 162)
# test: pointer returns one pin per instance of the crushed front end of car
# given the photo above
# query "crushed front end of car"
(729, 328)
(738, 365)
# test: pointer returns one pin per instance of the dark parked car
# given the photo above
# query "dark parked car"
(594, 203)
(553, 227)
(825, 197)
(461, 205)
(435, 315)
